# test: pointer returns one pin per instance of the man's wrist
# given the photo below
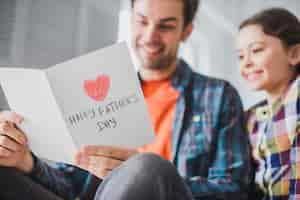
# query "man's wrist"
(27, 166)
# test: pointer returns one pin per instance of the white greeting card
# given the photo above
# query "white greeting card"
(93, 99)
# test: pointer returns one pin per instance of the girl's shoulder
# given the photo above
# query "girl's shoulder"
(255, 114)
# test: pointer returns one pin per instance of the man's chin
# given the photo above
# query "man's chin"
(153, 66)
(147, 64)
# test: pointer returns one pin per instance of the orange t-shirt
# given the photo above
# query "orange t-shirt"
(161, 99)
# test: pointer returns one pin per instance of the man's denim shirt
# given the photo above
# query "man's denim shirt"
(209, 143)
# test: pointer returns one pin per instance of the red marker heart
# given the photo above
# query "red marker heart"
(97, 89)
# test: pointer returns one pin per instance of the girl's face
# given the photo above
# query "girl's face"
(265, 63)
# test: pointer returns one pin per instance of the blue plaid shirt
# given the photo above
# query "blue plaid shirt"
(209, 143)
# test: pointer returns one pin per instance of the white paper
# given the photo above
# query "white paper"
(92, 99)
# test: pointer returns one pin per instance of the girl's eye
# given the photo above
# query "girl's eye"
(257, 50)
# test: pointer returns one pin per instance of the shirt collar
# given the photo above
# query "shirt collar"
(181, 77)
(269, 110)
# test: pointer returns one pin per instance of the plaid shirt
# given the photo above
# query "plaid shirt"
(273, 131)
(209, 140)
(209, 143)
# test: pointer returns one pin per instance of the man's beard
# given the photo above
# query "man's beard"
(159, 63)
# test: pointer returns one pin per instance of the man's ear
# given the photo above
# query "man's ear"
(294, 55)
(187, 32)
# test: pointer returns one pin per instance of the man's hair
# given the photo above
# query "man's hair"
(190, 8)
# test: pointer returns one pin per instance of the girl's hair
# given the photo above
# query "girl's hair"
(277, 22)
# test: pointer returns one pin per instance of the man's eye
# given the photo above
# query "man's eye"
(166, 27)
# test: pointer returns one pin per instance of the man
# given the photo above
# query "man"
(198, 123)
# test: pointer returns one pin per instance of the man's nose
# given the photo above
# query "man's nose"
(151, 34)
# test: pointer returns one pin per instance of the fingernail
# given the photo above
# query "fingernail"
(5, 127)
(25, 142)
(16, 118)
(92, 161)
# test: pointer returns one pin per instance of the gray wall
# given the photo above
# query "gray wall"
(41, 33)
(6, 28)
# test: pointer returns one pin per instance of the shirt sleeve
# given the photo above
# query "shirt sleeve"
(294, 182)
(64, 180)
(229, 172)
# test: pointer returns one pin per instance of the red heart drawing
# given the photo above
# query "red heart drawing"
(97, 89)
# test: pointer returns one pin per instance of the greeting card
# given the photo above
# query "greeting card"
(93, 99)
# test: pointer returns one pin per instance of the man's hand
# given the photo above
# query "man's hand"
(100, 160)
(14, 151)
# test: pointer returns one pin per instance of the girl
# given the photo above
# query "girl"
(268, 45)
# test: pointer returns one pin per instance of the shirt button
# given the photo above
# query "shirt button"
(196, 118)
